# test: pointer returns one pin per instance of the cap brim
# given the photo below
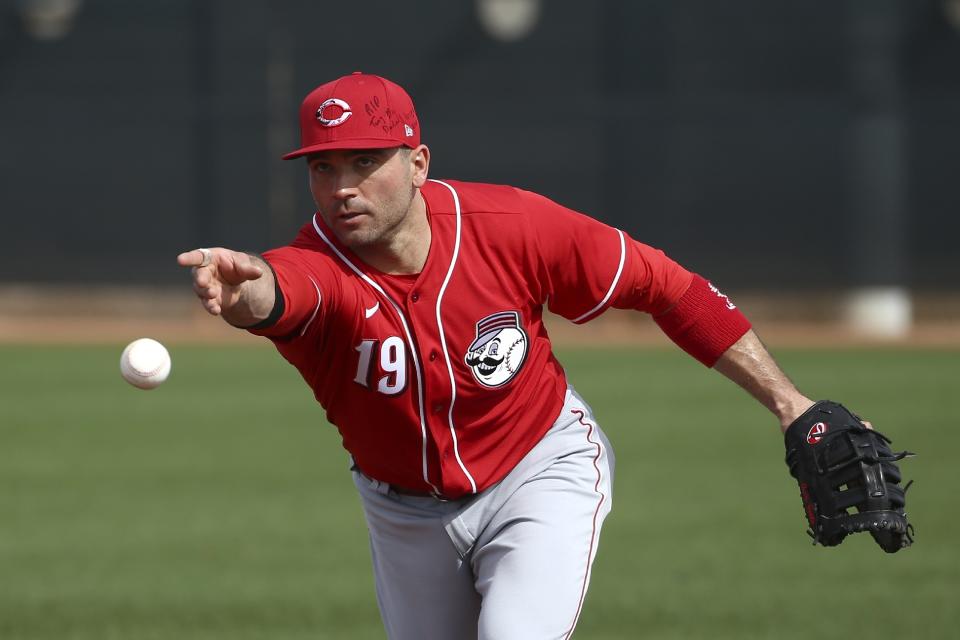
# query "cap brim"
(354, 143)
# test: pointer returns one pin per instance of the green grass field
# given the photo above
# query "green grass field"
(219, 506)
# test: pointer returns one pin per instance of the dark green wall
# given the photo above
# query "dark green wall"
(730, 134)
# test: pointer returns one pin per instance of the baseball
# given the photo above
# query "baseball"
(145, 363)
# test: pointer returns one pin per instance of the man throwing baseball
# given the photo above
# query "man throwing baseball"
(413, 309)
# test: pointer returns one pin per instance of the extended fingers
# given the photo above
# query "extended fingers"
(218, 274)
(206, 284)
(195, 258)
(246, 266)
(238, 268)
(208, 289)
(250, 269)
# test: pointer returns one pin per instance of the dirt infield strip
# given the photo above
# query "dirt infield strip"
(31, 315)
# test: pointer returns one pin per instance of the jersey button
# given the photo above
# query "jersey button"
(433, 356)
(415, 297)
(437, 408)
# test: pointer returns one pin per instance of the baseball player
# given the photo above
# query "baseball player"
(414, 308)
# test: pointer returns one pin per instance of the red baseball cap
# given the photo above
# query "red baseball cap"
(358, 111)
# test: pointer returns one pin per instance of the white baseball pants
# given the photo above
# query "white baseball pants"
(511, 563)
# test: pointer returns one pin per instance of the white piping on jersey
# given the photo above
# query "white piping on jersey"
(406, 330)
(613, 285)
(316, 309)
(443, 339)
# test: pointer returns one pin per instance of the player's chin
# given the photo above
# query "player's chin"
(358, 232)
(355, 236)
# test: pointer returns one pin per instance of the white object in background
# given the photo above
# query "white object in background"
(883, 312)
(145, 363)
(508, 20)
(49, 20)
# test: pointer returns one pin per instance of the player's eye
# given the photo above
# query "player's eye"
(319, 167)
(366, 162)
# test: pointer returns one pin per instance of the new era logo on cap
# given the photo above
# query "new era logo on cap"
(358, 111)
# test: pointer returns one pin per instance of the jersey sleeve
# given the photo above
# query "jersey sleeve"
(587, 266)
(300, 294)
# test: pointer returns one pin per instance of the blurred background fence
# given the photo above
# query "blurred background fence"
(773, 145)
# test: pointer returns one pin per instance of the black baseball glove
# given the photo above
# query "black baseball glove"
(848, 476)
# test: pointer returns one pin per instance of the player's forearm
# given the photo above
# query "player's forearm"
(748, 363)
(252, 300)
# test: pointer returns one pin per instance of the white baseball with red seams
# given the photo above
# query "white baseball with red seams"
(145, 363)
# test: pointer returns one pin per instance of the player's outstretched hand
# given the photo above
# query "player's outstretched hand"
(219, 275)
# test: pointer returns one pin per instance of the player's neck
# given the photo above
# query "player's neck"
(406, 250)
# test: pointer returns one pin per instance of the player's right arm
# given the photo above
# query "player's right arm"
(237, 286)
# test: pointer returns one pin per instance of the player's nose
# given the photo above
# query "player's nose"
(344, 186)
(344, 193)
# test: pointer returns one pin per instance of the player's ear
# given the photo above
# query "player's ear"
(419, 164)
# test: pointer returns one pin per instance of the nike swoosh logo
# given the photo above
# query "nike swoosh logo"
(372, 310)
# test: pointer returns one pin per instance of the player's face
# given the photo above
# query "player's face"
(365, 195)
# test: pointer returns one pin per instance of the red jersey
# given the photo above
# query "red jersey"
(442, 381)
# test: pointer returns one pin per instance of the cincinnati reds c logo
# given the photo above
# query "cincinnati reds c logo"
(816, 432)
(345, 112)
